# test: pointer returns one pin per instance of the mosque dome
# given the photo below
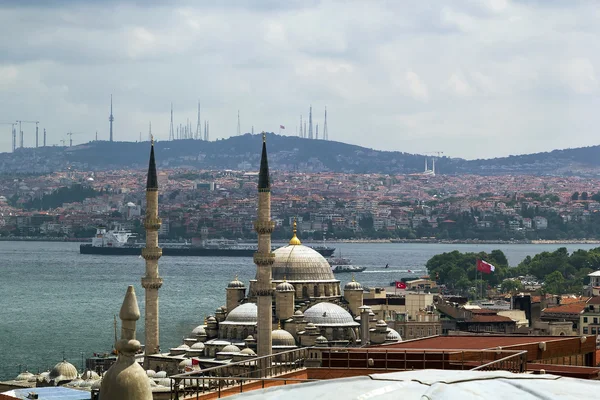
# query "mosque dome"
(200, 330)
(300, 263)
(161, 374)
(63, 371)
(24, 376)
(211, 319)
(245, 314)
(236, 284)
(185, 363)
(151, 373)
(230, 348)
(281, 337)
(381, 323)
(248, 352)
(321, 340)
(285, 287)
(197, 346)
(329, 314)
(88, 374)
(164, 382)
(299, 313)
(392, 336)
(353, 285)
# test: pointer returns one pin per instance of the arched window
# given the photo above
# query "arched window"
(316, 291)
(234, 333)
(244, 333)
(327, 290)
(304, 292)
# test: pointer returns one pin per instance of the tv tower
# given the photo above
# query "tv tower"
(239, 130)
(198, 126)
(310, 125)
(171, 131)
(325, 133)
(111, 119)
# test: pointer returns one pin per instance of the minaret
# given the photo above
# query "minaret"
(111, 119)
(264, 258)
(126, 379)
(151, 253)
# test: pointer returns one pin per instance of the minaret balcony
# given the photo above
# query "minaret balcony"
(264, 227)
(264, 259)
(152, 283)
(151, 253)
(152, 223)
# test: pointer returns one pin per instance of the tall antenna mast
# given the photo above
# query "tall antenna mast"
(317, 132)
(310, 125)
(325, 132)
(45, 136)
(149, 130)
(304, 134)
(111, 119)
(239, 130)
(301, 135)
(198, 127)
(171, 131)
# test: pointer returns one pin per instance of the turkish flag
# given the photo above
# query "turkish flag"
(485, 267)
(400, 285)
(195, 361)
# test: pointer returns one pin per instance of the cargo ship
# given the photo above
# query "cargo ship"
(118, 242)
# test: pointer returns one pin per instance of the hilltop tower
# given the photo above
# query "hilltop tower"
(198, 126)
(111, 119)
(151, 253)
(325, 132)
(171, 130)
(310, 125)
(264, 258)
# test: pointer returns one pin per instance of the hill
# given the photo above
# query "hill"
(288, 153)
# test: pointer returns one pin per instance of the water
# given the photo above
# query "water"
(55, 301)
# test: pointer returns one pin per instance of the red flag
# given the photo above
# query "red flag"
(281, 127)
(485, 267)
(400, 285)
(195, 361)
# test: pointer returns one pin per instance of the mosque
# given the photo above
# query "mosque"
(294, 300)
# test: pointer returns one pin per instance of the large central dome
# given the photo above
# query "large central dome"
(296, 262)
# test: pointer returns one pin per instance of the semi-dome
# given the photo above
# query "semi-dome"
(329, 314)
(285, 287)
(281, 337)
(245, 314)
(63, 371)
(300, 263)
(236, 284)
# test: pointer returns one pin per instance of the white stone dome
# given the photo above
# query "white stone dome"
(197, 346)
(236, 284)
(161, 374)
(245, 314)
(329, 314)
(200, 330)
(151, 373)
(63, 371)
(248, 352)
(24, 376)
(88, 374)
(392, 336)
(285, 287)
(300, 263)
(281, 337)
(353, 285)
(230, 348)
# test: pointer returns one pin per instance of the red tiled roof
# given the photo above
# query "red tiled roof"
(594, 300)
(575, 308)
(490, 318)
(471, 342)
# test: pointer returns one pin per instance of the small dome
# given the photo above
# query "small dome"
(311, 326)
(353, 285)
(321, 340)
(245, 314)
(197, 346)
(230, 348)
(200, 330)
(63, 371)
(248, 352)
(329, 314)
(90, 375)
(285, 287)
(236, 284)
(164, 382)
(281, 337)
(392, 336)
(185, 363)
(161, 374)
(211, 319)
(381, 323)
(298, 313)
(183, 346)
(24, 376)
(151, 373)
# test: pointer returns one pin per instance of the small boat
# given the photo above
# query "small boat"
(346, 268)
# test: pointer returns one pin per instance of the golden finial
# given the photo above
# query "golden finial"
(295, 241)
(264, 137)
(152, 140)
(205, 320)
(285, 278)
(353, 280)
(279, 324)
(236, 277)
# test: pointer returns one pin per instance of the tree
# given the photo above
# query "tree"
(584, 196)
(555, 283)
(575, 196)
(511, 286)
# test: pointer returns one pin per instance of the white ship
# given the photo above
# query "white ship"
(111, 238)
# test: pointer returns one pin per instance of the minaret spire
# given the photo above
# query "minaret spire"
(264, 258)
(151, 282)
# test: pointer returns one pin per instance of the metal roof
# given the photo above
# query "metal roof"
(51, 393)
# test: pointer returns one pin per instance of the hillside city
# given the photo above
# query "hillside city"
(222, 204)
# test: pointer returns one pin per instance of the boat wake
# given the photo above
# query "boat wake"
(387, 270)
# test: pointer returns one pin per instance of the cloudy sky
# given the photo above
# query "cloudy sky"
(472, 78)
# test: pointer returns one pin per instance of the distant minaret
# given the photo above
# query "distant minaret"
(239, 130)
(151, 253)
(171, 130)
(310, 125)
(45, 136)
(317, 132)
(325, 132)
(264, 258)
(36, 135)
(198, 126)
(111, 119)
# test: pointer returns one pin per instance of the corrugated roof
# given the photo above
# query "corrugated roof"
(467, 342)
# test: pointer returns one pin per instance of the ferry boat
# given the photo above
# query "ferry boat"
(342, 264)
(118, 242)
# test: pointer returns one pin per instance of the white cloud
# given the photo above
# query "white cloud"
(579, 75)
(417, 87)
